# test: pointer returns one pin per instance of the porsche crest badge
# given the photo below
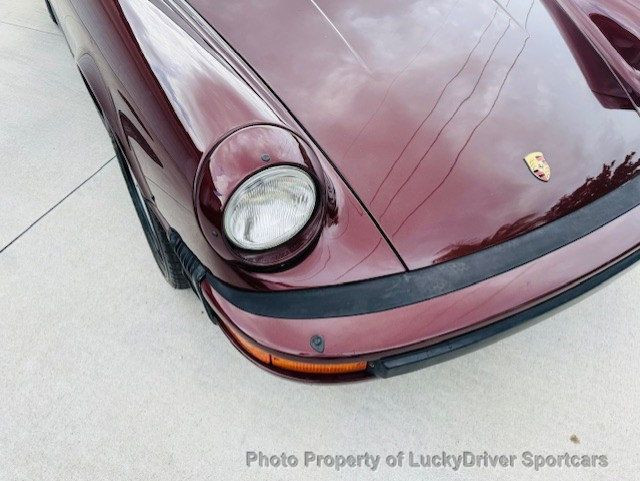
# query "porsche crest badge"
(538, 166)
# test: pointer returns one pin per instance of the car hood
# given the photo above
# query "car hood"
(428, 109)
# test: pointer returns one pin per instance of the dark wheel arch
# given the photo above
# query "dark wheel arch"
(153, 229)
(156, 235)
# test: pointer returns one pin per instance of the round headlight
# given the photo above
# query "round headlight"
(270, 208)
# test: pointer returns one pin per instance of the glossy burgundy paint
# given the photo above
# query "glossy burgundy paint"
(175, 98)
(429, 107)
(374, 335)
(416, 116)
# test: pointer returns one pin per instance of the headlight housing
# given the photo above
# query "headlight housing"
(261, 198)
(270, 208)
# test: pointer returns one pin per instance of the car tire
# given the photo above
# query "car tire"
(51, 12)
(155, 233)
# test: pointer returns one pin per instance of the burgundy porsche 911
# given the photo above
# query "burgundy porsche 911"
(360, 188)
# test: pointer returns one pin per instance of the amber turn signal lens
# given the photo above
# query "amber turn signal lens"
(297, 366)
(310, 368)
(252, 350)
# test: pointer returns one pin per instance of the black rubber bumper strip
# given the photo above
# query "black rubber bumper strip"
(465, 343)
(398, 290)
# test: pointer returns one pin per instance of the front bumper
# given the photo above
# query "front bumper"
(408, 321)
(470, 341)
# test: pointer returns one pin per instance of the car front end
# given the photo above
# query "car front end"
(349, 205)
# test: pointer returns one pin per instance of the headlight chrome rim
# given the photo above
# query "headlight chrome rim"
(257, 180)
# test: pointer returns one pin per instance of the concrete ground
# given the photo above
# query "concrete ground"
(107, 373)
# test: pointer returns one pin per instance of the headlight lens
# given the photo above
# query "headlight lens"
(270, 208)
